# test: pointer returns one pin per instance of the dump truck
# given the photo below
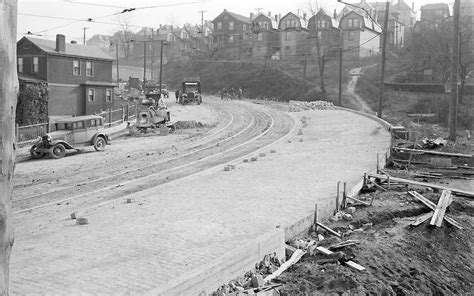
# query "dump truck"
(191, 90)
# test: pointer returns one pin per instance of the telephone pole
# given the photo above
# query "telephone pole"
(453, 102)
(384, 45)
(117, 56)
(202, 27)
(161, 62)
(341, 48)
(152, 54)
(84, 29)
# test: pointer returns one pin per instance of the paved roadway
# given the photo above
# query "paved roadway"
(170, 230)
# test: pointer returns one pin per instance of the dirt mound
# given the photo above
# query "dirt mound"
(297, 106)
(188, 124)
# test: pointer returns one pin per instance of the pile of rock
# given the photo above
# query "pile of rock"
(298, 106)
(188, 124)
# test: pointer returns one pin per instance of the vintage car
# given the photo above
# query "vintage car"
(164, 91)
(71, 133)
(191, 90)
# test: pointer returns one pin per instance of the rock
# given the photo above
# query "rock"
(347, 217)
(301, 140)
(246, 160)
(73, 215)
(367, 226)
(253, 159)
(320, 237)
(262, 154)
(300, 132)
(257, 280)
(226, 168)
(350, 210)
(358, 230)
(273, 151)
(129, 200)
(82, 221)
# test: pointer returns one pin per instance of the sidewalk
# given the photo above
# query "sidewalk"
(168, 234)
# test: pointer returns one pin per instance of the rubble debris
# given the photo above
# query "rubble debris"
(349, 263)
(73, 215)
(298, 106)
(329, 230)
(253, 159)
(226, 168)
(343, 244)
(419, 151)
(262, 154)
(433, 143)
(273, 151)
(294, 258)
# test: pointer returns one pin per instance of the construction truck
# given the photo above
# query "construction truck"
(151, 115)
(191, 90)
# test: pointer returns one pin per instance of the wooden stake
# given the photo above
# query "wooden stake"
(337, 197)
(377, 163)
(8, 98)
(344, 197)
(315, 222)
(329, 229)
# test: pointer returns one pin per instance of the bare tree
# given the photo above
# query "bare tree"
(125, 35)
(8, 95)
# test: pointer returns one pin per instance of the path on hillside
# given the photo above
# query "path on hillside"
(350, 89)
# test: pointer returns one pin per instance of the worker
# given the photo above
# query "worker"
(223, 93)
(231, 93)
(161, 103)
(240, 93)
(176, 93)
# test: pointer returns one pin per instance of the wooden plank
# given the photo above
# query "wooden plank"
(444, 201)
(329, 229)
(432, 206)
(358, 200)
(433, 152)
(351, 264)
(294, 258)
(423, 184)
(376, 185)
(422, 218)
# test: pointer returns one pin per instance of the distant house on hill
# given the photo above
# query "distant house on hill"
(324, 29)
(232, 35)
(293, 37)
(266, 39)
(435, 13)
(79, 77)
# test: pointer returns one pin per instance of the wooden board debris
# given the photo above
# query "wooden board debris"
(329, 229)
(432, 152)
(422, 218)
(343, 244)
(349, 263)
(423, 184)
(432, 206)
(444, 201)
(294, 258)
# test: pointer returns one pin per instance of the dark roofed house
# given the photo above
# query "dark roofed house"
(79, 77)
(434, 13)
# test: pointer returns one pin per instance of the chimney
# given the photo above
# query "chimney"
(276, 17)
(270, 14)
(335, 14)
(304, 16)
(60, 43)
(251, 16)
(73, 42)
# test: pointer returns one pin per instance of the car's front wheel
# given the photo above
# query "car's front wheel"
(35, 154)
(58, 151)
(99, 144)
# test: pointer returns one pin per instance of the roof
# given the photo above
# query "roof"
(303, 23)
(236, 16)
(77, 50)
(77, 118)
(434, 6)
(30, 78)
(334, 22)
(272, 20)
(368, 22)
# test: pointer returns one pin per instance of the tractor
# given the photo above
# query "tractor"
(150, 116)
(191, 90)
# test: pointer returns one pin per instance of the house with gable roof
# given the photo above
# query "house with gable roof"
(266, 39)
(435, 13)
(79, 77)
(324, 29)
(232, 35)
(293, 37)
(395, 28)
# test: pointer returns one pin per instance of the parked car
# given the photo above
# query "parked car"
(71, 134)
(164, 91)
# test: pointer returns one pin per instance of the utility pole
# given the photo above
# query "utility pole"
(384, 45)
(117, 57)
(84, 29)
(8, 99)
(152, 54)
(341, 48)
(161, 62)
(453, 102)
(144, 64)
(202, 27)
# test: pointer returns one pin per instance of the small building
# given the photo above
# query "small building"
(79, 77)
(434, 14)
(395, 28)
(324, 32)
(361, 34)
(232, 36)
(294, 35)
(266, 39)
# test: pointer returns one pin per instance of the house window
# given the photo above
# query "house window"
(108, 95)
(353, 23)
(244, 27)
(245, 37)
(91, 95)
(20, 65)
(320, 35)
(231, 39)
(350, 36)
(35, 65)
(76, 67)
(231, 25)
(219, 25)
(287, 36)
(259, 36)
(89, 69)
(265, 25)
(288, 23)
(293, 23)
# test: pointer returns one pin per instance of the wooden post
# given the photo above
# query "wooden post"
(8, 95)
(377, 163)
(128, 112)
(123, 113)
(344, 196)
(315, 223)
(110, 117)
(337, 196)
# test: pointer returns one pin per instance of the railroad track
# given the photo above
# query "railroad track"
(262, 127)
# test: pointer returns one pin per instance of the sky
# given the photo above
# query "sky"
(50, 17)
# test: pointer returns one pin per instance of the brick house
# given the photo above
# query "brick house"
(435, 13)
(79, 77)
(361, 34)
(395, 30)
(232, 35)
(293, 37)
(266, 36)
(324, 28)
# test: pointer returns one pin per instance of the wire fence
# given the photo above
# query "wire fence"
(29, 133)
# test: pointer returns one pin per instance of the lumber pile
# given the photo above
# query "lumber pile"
(437, 214)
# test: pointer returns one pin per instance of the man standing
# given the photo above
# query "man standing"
(240, 93)
(176, 93)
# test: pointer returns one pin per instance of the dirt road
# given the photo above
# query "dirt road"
(356, 99)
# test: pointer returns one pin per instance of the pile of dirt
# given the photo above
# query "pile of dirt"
(297, 106)
(188, 124)
(399, 259)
